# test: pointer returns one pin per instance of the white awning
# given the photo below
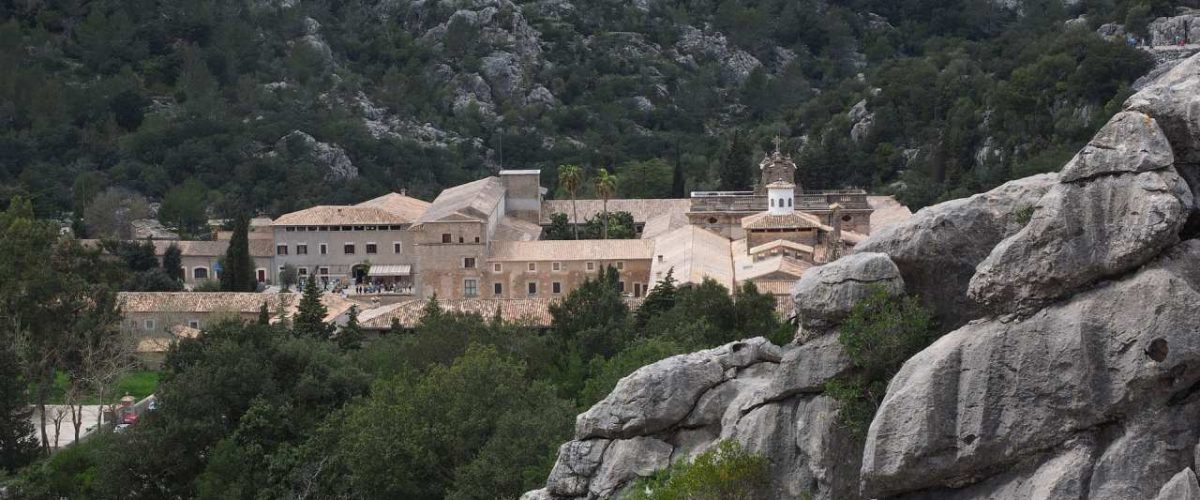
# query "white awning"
(390, 270)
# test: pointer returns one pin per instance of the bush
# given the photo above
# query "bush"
(882, 332)
(727, 472)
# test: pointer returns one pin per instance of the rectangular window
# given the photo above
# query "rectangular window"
(470, 288)
(496, 267)
(476, 239)
(557, 266)
(324, 249)
(324, 271)
(372, 248)
(396, 247)
(533, 267)
(621, 286)
(194, 323)
(445, 237)
(532, 286)
(556, 288)
(280, 249)
(497, 288)
(591, 266)
(149, 324)
(620, 266)
(302, 249)
(468, 262)
(348, 249)
(303, 271)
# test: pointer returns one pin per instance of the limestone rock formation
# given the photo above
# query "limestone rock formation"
(938, 248)
(825, 295)
(1071, 368)
(330, 157)
(1181, 487)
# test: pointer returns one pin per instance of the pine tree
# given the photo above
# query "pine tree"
(350, 337)
(310, 315)
(238, 272)
(432, 310)
(172, 262)
(264, 314)
(396, 327)
(18, 443)
(660, 299)
(678, 181)
(735, 171)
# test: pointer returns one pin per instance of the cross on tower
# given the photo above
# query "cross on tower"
(777, 141)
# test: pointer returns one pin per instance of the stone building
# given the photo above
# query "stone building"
(343, 243)
(517, 269)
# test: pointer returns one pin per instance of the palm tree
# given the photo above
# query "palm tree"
(606, 186)
(570, 177)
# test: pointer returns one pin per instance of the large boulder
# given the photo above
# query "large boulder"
(1181, 487)
(1080, 233)
(627, 460)
(1062, 473)
(824, 295)
(1174, 102)
(660, 395)
(937, 249)
(1130, 142)
(990, 394)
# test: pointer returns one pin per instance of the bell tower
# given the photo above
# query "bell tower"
(776, 167)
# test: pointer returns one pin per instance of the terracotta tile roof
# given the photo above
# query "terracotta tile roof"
(565, 250)
(694, 253)
(530, 312)
(405, 206)
(471, 201)
(201, 302)
(888, 211)
(190, 248)
(226, 302)
(661, 224)
(641, 210)
(258, 248)
(338, 215)
(779, 266)
(765, 220)
(782, 243)
(513, 229)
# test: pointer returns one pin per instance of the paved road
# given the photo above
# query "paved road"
(66, 432)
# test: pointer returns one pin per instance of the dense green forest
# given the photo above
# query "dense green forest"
(196, 103)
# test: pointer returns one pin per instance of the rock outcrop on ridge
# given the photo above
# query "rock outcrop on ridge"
(1069, 367)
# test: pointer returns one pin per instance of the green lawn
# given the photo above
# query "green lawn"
(139, 384)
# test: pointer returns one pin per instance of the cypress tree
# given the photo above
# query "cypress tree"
(18, 443)
(310, 315)
(660, 299)
(735, 171)
(350, 337)
(172, 262)
(264, 314)
(238, 272)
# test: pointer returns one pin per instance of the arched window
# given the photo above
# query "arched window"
(200, 273)
(772, 202)
(789, 202)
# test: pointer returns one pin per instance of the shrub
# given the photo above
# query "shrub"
(882, 332)
(727, 472)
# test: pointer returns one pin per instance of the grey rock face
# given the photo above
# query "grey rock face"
(1174, 102)
(330, 157)
(682, 406)
(1081, 233)
(736, 64)
(938, 248)
(987, 395)
(1129, 142)
(627, 460)
(825, 294)
(1062, 474)
(662, 394)
(1181, 487)
(1175, 30)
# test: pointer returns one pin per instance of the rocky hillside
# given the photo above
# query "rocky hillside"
(271, 105)
(1070, 368)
